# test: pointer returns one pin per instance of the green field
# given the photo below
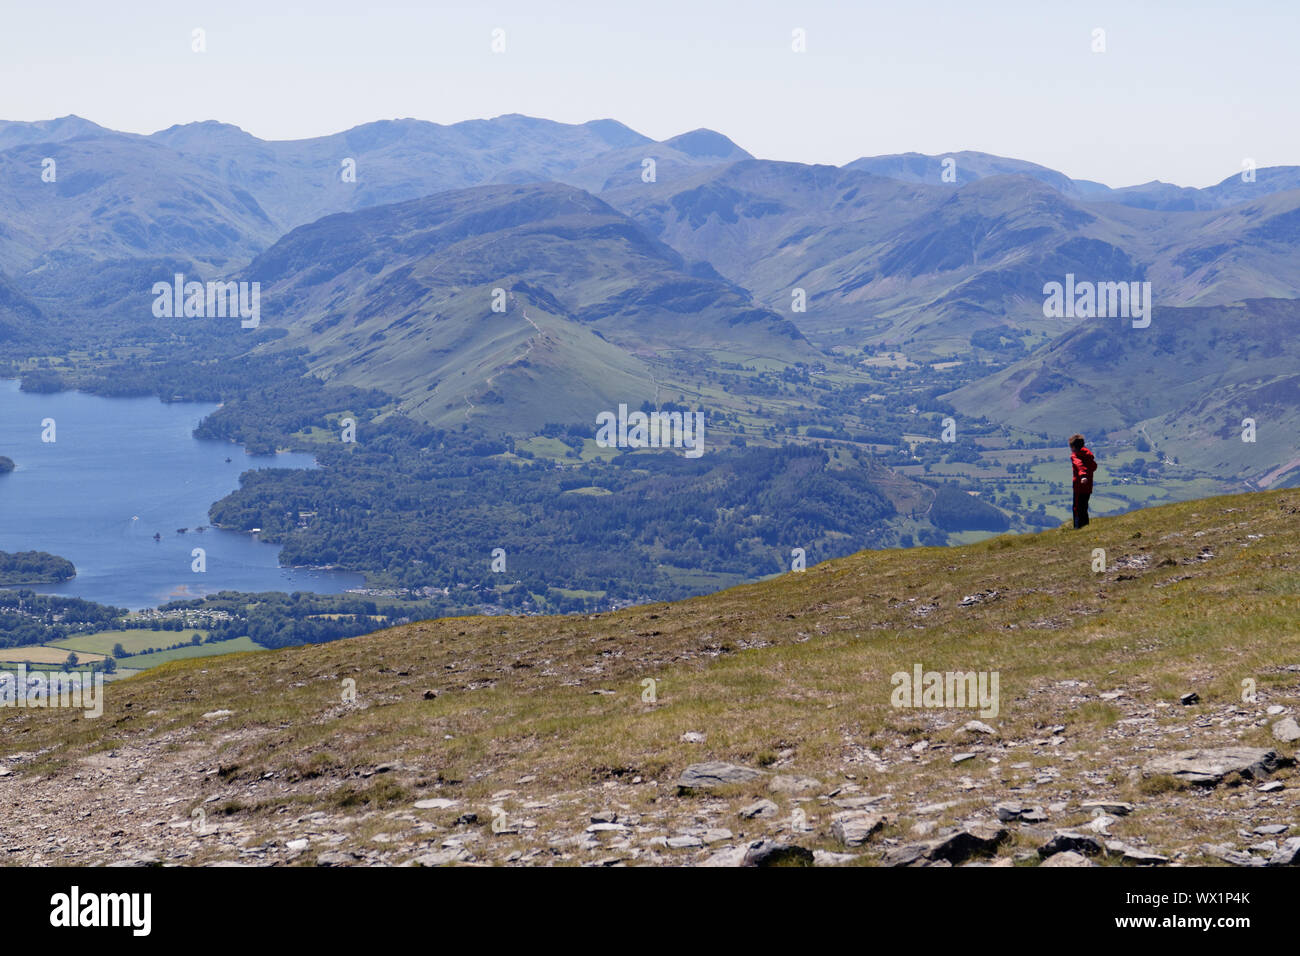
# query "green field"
(145, 661)
(571, 593)
(544, 447)
(133, 641)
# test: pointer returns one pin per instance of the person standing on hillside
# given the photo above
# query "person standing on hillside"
(1082, 464)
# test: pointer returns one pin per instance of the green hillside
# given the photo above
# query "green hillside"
(1184, 385)
(405, 298)
(544, 724)
(922, 264)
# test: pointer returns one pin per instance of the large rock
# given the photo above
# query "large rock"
(759, 808)
(442, 857)
(1134, 855)
(1288, 854)
(785, 783)
(1070, 841)
(1287, 731)
(1209, 767)
(727, 856)
(950, 847)
(1226, 853)
(771, 853)
(1117, 807)
(716, 773)
(336, 858)
(827, 858)
(1012, 810)
(909, 854)
(855, 827)
(435, 803)
(978, 839)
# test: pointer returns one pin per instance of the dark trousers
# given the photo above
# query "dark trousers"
(1081, 496)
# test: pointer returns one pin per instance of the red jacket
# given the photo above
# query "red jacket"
(1083, 465)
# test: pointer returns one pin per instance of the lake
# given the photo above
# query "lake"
(119, 470)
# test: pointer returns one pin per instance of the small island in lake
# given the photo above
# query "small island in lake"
(6, 465)
(33, 567)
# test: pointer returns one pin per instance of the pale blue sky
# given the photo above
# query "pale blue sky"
(1184, 92)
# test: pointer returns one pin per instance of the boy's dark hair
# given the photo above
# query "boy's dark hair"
(1076, 442)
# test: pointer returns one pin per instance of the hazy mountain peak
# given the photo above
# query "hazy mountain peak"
(960, 167)
(203, 135)
(706, 144)
(17, 133)
(616, 134)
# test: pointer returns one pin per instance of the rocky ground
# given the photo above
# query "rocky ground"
(1022, 801)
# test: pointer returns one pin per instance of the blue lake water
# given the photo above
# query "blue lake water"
(120, 470)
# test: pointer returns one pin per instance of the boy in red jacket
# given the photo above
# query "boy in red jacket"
(1083, 465)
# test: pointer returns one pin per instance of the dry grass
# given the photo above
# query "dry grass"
(792, 674)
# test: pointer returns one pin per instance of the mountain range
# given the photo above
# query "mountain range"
(881, 245)
(378, 250)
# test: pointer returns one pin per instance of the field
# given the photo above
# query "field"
(95, 647)
(144, 661)
(133, 641)
(42, 654)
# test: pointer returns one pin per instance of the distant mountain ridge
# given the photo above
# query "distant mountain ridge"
(884, 249)
(378, 246)
(968, 166)
(404, 297)
(926, 265)
(217, 196)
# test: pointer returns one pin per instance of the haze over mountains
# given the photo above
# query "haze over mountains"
(386, 280)
(875, 243)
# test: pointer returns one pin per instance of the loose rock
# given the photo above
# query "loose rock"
(761, 808)
(1108, 806)
(1288, 854)
(951, 847)
(435, 803)
(1071, 841)
(855, 827)
(1287, 731)
(1209, 767)
(715, 773)
(783, 783)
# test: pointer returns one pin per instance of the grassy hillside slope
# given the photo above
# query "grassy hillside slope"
(543, 723)
(400, 298)
(1186, 383)
(925, 264)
